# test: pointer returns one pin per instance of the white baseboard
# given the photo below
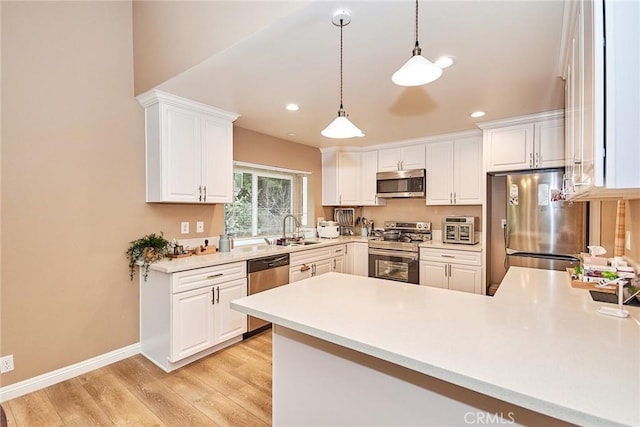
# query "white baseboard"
(50, 378)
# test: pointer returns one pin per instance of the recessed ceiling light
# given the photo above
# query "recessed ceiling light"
(444, 62)
(292, 107)
(477, 114)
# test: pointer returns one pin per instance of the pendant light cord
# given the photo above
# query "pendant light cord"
(341, 26)
(416, 22)
(416, 49)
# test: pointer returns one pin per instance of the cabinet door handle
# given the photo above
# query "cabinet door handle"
(218, 297)
(538, 159)
(213, 296)
(449, 270)
(454, 198)
(450, 198)
(313, 270)
(530, 160)
(305, 267)
(445, 271)
(334, 264)
(213, 276)
(205, 193)
(200, 193)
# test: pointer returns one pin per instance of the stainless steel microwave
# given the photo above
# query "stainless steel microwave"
(410, 183)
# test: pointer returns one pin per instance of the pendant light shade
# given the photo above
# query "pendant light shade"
(418, 70)
(341, 127)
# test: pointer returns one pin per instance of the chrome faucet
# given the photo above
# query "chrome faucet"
(284, 224)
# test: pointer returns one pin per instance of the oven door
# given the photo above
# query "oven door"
(394, 265)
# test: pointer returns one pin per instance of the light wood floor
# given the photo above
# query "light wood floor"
(229, 388)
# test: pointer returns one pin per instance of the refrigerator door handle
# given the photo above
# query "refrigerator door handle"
(559, 257)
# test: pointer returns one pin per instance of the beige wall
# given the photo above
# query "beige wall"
(416, 210)
(73, 183)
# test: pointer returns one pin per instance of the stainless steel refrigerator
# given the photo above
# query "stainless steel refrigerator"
(543, 230)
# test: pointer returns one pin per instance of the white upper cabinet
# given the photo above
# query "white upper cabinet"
(401, 158)
(527, 142)
(189, 150)
(340, 178)
(602, 161)
(454, 172)
(349, 178)
(368, 185)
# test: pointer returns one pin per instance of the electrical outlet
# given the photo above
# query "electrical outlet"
(503, 223)
(200, 227)
(184, 228)
(6, 364)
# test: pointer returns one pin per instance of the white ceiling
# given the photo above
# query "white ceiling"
(506, 60)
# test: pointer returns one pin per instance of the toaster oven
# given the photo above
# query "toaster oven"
(459, 229)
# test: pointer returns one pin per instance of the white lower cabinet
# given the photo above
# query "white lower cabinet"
(451, 269)
(314, 262)
(186, 315)
(192, 323)
(357, 259)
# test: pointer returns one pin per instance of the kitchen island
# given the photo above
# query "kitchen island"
(360, 351)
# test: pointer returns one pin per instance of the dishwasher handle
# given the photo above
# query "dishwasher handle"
(266, 263)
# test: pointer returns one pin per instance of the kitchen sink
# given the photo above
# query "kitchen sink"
(304, 243)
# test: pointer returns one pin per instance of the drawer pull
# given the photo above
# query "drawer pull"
(213, 276)
(305, 268)
(447, 256)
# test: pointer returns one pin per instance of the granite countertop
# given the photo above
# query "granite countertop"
(538, 343)
(243, 253)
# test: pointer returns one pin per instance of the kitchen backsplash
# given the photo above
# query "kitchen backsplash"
(416, 210)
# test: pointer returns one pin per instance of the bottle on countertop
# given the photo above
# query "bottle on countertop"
(224, 245)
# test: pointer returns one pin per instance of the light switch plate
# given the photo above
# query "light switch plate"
(200, 227)
(184, 228)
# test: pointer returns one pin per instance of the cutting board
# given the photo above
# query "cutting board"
(589, 286)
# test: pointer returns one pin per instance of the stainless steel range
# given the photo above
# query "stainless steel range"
(394, 253)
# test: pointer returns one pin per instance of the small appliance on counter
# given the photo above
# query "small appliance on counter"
(345, 217)
(328, 230)
(459, 229)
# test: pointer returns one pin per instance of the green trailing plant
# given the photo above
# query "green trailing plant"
(146, 250)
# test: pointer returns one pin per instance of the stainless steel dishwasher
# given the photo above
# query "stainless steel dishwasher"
(265, 273)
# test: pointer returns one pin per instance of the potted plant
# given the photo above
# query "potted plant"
(146, 250)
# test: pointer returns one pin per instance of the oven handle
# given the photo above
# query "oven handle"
(404, 255)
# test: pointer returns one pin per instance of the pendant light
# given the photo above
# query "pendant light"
(341, 127)
(418, 70)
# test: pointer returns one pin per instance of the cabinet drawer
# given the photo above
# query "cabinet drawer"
(450, 256)
(338, 250)
(313, 255)
(194, 279)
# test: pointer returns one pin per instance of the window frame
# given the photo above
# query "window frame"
(299, 204)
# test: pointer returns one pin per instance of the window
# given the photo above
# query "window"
(262, 198)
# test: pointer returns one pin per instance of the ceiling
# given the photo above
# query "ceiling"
(506, 57)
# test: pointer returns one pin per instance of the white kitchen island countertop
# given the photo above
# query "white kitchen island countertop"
(538, 343)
